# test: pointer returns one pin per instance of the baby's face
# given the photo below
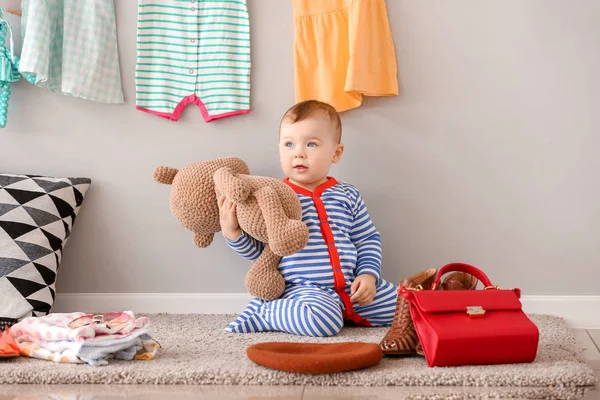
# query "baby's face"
(307, 149)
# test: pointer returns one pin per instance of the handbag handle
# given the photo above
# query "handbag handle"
(461, 267)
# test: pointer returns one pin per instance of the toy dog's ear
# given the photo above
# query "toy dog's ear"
(203, 240)
(232, 186)
(165, 175)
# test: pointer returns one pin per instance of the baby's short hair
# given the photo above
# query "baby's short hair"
(307, 108)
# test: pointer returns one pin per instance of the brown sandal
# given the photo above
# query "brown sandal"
(459, 281)
(402, 338)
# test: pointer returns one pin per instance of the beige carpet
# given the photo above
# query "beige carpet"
(195, 350)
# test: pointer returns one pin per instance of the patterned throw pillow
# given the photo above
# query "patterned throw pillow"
(37, 214)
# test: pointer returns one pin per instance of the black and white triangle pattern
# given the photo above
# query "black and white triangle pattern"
(37, 214)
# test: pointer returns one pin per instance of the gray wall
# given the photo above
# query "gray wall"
(488, 156)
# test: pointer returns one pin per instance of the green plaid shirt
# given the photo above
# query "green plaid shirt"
(70, 46)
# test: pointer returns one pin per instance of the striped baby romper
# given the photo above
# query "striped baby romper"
(343, 244)
(193, 51)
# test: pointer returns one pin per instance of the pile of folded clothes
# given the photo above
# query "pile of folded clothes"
(86, 338)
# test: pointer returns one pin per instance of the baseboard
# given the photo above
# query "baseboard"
(579, 311)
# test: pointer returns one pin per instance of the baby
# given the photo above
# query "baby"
(337, 276)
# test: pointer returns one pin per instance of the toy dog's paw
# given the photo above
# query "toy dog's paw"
(289, 238)
(232, 186)
(267, 286)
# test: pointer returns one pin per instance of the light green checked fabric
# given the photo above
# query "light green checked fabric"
(70, 46)
(193, 51)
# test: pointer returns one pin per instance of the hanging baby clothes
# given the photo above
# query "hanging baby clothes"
(70, 46)
(9, 67)
(343, 50)
(193, 52)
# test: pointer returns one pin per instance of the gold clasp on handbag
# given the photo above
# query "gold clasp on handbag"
(475, 311)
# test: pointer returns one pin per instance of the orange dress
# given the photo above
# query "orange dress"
(343, 50)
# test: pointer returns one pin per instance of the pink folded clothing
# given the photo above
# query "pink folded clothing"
(78, 327)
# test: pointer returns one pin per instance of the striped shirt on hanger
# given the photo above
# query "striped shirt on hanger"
(193, 51)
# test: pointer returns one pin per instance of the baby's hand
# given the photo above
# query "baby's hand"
(228, 218)
(363, 289)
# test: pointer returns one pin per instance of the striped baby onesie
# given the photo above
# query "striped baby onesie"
(193, 51)
(343, 244)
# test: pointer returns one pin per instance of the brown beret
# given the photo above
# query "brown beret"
(315, 358)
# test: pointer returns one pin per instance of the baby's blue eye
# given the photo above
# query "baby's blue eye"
(288, 144)
(312, 144)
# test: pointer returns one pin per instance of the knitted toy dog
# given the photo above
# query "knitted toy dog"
(267, 209)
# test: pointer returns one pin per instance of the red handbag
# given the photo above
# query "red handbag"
(471, 327)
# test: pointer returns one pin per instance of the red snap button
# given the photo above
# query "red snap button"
(193, 40)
